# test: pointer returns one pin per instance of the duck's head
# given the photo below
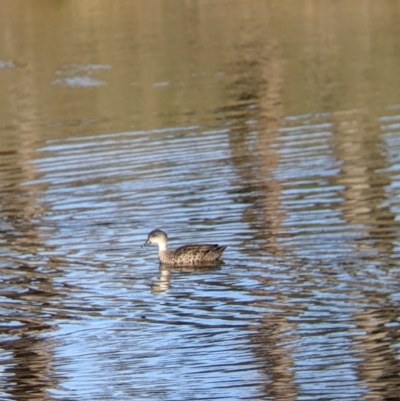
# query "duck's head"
(158, 237)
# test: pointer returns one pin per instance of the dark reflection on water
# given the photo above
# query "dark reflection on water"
(240, 146)
(26, 290)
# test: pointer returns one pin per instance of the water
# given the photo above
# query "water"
(272, 134)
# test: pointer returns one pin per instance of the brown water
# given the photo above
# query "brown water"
(273, 127)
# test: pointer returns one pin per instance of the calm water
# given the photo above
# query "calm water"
(272, 127)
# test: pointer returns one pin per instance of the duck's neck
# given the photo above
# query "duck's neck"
(162, 247)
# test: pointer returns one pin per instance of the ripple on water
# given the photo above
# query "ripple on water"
(304, 307)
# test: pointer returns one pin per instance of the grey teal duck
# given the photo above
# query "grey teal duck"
(191, 254)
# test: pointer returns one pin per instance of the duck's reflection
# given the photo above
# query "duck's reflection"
(163, 281)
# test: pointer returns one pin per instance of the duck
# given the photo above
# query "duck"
(190, 254)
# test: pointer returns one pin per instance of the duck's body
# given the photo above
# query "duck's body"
(185, 255)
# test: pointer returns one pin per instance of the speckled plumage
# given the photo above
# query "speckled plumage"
(192, 254)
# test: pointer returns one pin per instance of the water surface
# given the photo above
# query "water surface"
(272, 128)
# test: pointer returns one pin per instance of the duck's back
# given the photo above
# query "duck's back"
(193, 254)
